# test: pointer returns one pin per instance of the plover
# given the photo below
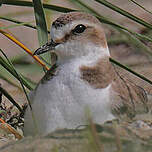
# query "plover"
(83, 78)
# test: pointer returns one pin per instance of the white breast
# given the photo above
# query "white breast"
(63, 101)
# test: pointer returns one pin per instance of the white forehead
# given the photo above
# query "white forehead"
(60, 32)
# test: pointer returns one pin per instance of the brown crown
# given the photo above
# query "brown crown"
(69, 17)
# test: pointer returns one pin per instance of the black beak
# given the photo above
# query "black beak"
(46, 47)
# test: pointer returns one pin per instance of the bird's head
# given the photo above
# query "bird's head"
(74, 35)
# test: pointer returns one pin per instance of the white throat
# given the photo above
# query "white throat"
(86, 54)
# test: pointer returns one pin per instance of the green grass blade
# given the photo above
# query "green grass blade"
(21, 79)
(5, 75)
(137, 43)
(40, 22)
(9, 97)
(125, 13)
(41, 26)
(131, 71)
(133, 1)
(86, 7)
(18, 22)
(30, 4)
(80, 6)
(9, 69)
(13, 26)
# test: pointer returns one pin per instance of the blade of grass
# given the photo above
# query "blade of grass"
(97, 142)
(23, 47)
(9, 69)
(137, 43)
(139, 36)
(17, 22)
(93, 137)
(40, 22)
(125, 13)
(41, 26)
(80, 6)
(5, 77)
(131, 71)
(20, 59)
(12, 26)
(86, 7)
(9, 97)
(48, 14)
(133, 1)
(18, 77)
(18, 13)
(30, 4)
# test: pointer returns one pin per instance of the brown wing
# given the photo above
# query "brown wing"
(128, 97)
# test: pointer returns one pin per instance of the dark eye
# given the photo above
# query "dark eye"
(79, 29)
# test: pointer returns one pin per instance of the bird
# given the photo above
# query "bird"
(82, 79)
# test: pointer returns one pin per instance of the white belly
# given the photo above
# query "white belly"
(64, 102)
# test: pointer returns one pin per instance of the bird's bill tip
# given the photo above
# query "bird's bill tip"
(46, 47)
